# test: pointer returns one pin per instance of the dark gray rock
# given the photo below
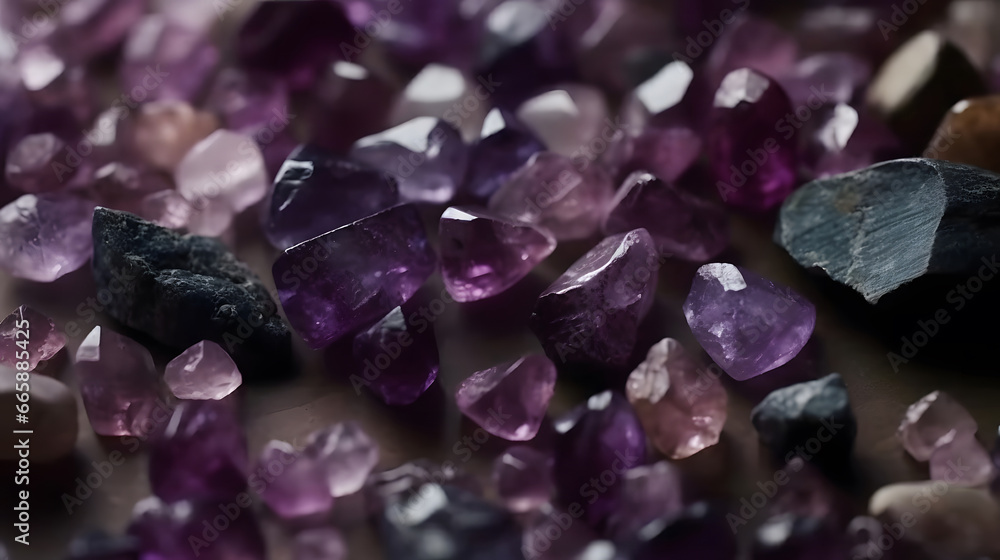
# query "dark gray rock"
(878, 228)
(448, 523)
(812, 420)
(182, 289)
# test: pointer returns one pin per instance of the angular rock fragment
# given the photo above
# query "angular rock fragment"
(181, 290)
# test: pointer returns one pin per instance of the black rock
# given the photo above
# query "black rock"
(448, 523)
(182, 289)
(812, 420)
(878, 228)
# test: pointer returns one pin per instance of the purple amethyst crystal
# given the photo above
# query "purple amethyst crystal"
(504, 145)
(523, 477)
(521, 387)
(352, 102)
(193, 530)
(41, 339)
(163, 59)
(299, 488)
(346, 279)
(45, 236)
(591, 314)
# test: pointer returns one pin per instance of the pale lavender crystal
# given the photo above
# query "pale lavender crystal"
(961, 460)
(932, 419)
(568, 120)
(509, 400)
(552, 191)
(118, 383)
(504, 145)
(826, 78)
(440, 91)
(45, 236)
(346, 279)
(324, 543)
(59, 91)
(91, 27)
(353, 102)
(178, 531)
(346, 455)
(163, 59)
(297, 484)
(755, 43)
(664, 152)
(673, 97)
(202, 372)
(426, 155)
(746, 323)
(221, 176)
(37, 336)
(649, 492)
(397, 356)
(523, 478)
(697, 230)
(751, 145)
(249, 102)
(682, 406)
(167, 208)
(841, 139)
(200, 453)
(591, 314)
(38, 163)
(316, 192)
(483, 254)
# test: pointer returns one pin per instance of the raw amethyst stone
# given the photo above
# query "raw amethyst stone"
(751, 143)
(177, 59)
(45, 236)
(398, 356)
(826, 78)
(294, 40)
(316, 192)
(448, 523)
(747, 324)
(664, 152)
(553, 192)
(930, 420)
(697, 230)
(504, 145)
(673, 97)
(840, 140)
(200, 453)
(118, 383)
(87, 28)
(439, 91)
(699, 531)
(348, 278)
(39, 337)
(353, 102)
(345, 454)
(649, 492)
(38, 164)
(166, 208)
(753, 43)
(203, 372)
(521, 387)
(591, 314)
(186, 530)
(299, 489)
(961, 460)
(568, 119)
(426, 155)
(249, 102)
(596, 443)
(324, 543)
(483, 254)
(523, 478)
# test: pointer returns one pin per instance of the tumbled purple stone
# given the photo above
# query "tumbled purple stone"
(294, 40)
(696, 231)
(426, 155)
(346, 279)
(299, 489)
(163, 59)
(509, 400)
(45, 236)
(698, 531)
(751, 143)
(345, 454)
(248, 102)
(754, 43)
(323, 543)
(87, 28)
(649, 492)
(504, 145)
(673, 97)
(597, 437)
(746, 323)
(37, 333)
(552, 191)
(202, 372)
(316, 192)
(353, 102)
(591, 314)
(178, 531)
(398, 380)
(931, 420)
(523, 478)
(483, 254)
(568, 120)
(118, 382)
(961, 460)
(200, 453)
(37, 164)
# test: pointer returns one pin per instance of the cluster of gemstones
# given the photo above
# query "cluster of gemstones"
(372, 145)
